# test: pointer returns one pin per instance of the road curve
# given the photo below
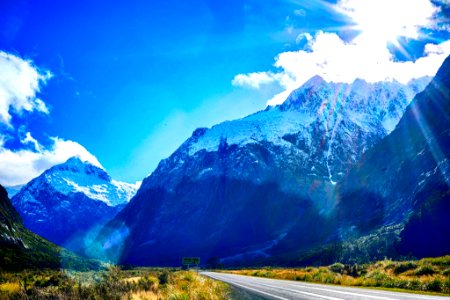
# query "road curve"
(289, 290)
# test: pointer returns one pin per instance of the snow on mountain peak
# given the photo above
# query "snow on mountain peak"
(77, 165)
(76, 175)
(371, 106)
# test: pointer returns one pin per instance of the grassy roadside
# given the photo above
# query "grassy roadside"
(114, 283)
(425, 275)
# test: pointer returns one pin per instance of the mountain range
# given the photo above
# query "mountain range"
(256, 188)
(338, 172)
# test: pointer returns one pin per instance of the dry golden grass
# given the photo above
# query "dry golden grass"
(10, 287)
(428, 274)
(190, 285)
(132, 279)
(142, 295)
(138, 284)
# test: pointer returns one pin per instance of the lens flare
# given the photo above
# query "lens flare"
(387, 20)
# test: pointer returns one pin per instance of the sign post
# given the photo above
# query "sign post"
(190, 261)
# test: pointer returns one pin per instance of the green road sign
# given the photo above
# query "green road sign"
(189, 261)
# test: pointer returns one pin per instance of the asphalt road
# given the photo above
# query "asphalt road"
(264, 288)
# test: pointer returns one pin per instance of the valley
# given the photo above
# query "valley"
(232, 150)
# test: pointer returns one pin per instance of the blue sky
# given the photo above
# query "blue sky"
(130, 81)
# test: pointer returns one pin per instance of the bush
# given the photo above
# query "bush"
(403, 267)
(443, 261)
(164, 277)
(413, 284)
(337, 268)
(401, 284)
(147, 283)
(434, 285)
(352, 270)
(379, 277)
(446, 286)
(425, 270)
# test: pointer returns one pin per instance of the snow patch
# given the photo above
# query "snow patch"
(76, 176)
(268, 126)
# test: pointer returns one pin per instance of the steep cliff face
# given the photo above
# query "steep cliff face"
(21, 249)
(405, 179)
(238, 189)
(69, 201)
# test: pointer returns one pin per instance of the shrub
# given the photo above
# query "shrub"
(413, 284)
(379, 277)
(147, 283)
(434, 285)
(401, 284)
(337, 268)
(163, 277)
(403, 267)
(446, 286)
(438, 261)
(425, 270)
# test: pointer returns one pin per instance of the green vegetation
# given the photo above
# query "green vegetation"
(114, 283)
(31, 251)
(426, 275)
(21, 249)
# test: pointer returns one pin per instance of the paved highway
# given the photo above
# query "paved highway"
(264, 288)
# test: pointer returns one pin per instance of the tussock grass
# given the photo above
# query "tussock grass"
(9, 287)
(189, 285)
(426, 275)
(114, 283)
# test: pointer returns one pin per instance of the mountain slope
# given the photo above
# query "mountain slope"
(237, 189)
(69, 201)
(20, 248)
(405, 179)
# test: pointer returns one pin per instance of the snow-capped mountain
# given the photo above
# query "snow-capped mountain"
(329, 113)
(78, 176)
(238, 188)
(68, 200)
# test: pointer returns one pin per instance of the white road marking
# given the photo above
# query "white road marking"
(345, 293)
(280, 288)
(255, 290)
(273, 285)
(368, 290)
(302, 292)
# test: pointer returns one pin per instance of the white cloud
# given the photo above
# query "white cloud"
(254, 80)
(337, 61)
(19, 167)
(366, 56)
(300, 12)
(31, 140)
(304, 37)
(20, 81)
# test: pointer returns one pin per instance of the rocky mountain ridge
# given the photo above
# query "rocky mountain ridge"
(238, 189)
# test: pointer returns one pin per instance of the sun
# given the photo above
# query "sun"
(387, 20)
